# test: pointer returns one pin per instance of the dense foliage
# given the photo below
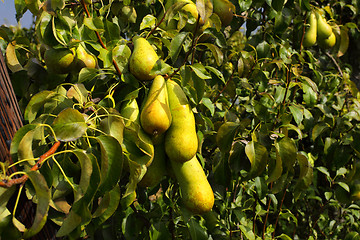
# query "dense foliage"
(277, 122)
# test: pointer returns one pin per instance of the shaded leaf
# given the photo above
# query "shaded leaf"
(226, 135)
(258, 156)
(287, 151)
(43, 200)
(177, 44)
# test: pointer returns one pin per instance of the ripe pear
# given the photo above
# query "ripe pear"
(84, 59)
(142, 60)
(328, 42)
(157, 169)
(59, 60)
(196, 191)
(225, 10)
(155, 117)
(310, 34)
(324, 30)
(181, 141)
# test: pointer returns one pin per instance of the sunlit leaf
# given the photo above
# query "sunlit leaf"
(69, 125)
(12, 60)
(177, 44)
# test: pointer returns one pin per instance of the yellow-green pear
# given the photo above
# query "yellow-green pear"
(155, 117)
(84, 59)
(196, 192)
(225, 10)
(142, 60)
(310, 34)
(157, 169)
(59, 60)
(324, 30)
(181, 141)
(328, 42)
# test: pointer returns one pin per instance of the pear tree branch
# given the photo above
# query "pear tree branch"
(9, 183)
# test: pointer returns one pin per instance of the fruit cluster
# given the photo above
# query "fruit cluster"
(167, 117)
(319, 31)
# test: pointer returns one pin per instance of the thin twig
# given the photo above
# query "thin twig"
(335, 62)
(99, 37)
(267, 213)
(9, 183)
(280, 209)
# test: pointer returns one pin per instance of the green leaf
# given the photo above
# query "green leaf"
(199, 85)
(12, 60)
(160, 68)
(25, 150)
(113, 126)
(69, 125)
(148, 21)
(107, 207)
(318, 130)
(196, 231)
(226, 135)
(94, 24)
(37, 102)
(275, 169)
(43, 200)
(87, 74)
(217, 73)
(111, 162)
(200, 71)
(209, 105)
(5, 195)
(121, 55)
(216, 51)
(71, 222)
(258, 156)
(177, 44)
(278, 4)
(297, 113)
(287, 151)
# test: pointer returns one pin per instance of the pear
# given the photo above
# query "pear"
(84, 59)
(225, 10)
(59, 60)
(181, 141)
(310, 34)
(142, 60)
(155, 117)
(157, 169)
(196, 192)
(324, 30)
(328, 42)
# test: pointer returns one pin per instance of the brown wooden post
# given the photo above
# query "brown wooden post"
(10, 121)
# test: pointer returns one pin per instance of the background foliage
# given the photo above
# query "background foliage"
(277, 123)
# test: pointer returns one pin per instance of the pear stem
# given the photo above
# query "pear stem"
(99, 37)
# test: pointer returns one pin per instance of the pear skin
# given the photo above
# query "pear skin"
(181, 141)
(84, 59)
(310, 34)
(196, 192)
(225, 10)
(155, 117)
(324, 30)
(142, 60)
(328, 42)
(59, 60)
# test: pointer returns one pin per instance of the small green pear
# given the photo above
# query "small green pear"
(196, 192)
(142, 60)
(328, 42)
(225, 10)
(157, 169)
(155, 117)
(310, 34)
(59, 60)
(181, 141)
(324, 30)
(84, 59)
